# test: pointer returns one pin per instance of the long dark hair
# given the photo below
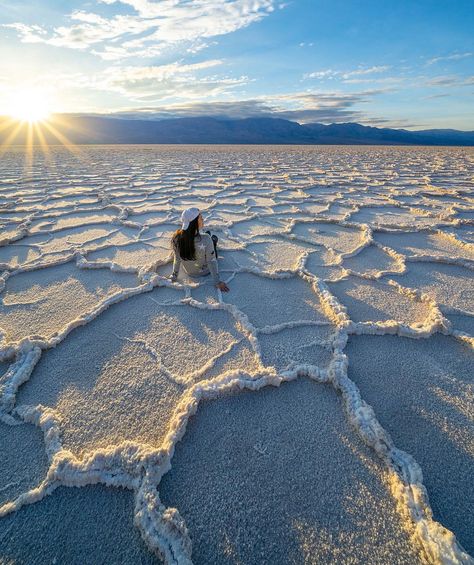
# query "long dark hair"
(183, 240)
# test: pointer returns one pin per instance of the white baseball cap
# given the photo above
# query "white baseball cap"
(188, 216)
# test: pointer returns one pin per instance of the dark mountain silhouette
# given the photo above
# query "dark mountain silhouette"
(209, 130)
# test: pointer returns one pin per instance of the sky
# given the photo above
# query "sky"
(405, 64)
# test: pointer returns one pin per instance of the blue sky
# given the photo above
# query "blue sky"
(397, 64)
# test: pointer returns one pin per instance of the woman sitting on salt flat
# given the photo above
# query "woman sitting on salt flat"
(195, 251)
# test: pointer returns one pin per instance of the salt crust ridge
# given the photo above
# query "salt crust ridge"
(139, 467)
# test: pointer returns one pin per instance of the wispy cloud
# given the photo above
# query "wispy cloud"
(367, 71)
(347, 76)
(158, 83)
(434, 96)
(446, 80)
(389, 81)
(450, 81)
(152, 28)
(452, 57)
(325, 74)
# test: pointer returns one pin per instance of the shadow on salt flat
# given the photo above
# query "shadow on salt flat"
(422, 392)
(115, 378)
(462, 322)
(279, 476)
(13, 256)
(23, 461)
(376, 301)
(465, 233)
(43, 302)
(77, 526)
(268, 302)
(465, 214)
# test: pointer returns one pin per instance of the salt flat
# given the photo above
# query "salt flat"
(320, 412)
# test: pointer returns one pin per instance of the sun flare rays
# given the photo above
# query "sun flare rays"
(28, 120)
(30, 123)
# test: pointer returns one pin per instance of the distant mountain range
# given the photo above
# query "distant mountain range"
(210, 130)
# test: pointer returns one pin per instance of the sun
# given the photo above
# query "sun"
(30, 105)
(30, 118)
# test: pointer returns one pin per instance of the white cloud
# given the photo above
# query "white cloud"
(392, 81)
(330, 74)
(326, 74)
(161, 82)
(28, 34)
(153, 26)
(452, 57)
(369, 71)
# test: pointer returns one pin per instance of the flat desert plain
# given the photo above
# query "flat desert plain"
(322, 411)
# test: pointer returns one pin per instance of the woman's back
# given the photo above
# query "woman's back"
(204, 261)
(195, 250)
(204, 254)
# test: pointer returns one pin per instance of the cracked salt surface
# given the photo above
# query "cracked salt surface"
(427, 407)
(43, 303)
(100, 519)
(253, 490)
(377, 301)
(104, 362)
(23, 464)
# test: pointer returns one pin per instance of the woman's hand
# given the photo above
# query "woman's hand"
(222, 286)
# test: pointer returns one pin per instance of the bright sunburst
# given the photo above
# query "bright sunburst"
(31, 120)
(30, 105)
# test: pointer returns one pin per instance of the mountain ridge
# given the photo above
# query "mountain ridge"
(96, 129)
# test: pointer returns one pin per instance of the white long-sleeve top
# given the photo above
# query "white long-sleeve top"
(205, 261)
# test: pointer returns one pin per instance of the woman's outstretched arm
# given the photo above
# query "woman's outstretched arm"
(176, 264)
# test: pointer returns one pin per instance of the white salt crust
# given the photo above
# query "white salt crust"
(140, 467)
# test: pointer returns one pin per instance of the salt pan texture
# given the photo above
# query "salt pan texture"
(245, 500)
(350, 272)
(428, 408)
